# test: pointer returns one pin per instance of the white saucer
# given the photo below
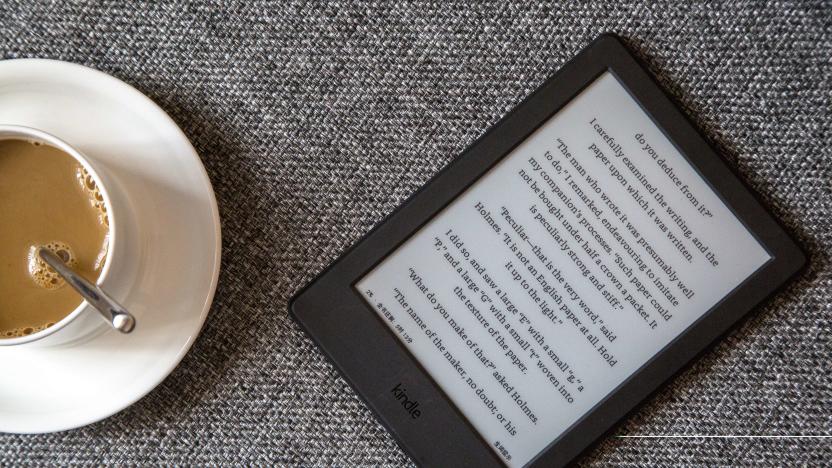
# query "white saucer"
(175, 234)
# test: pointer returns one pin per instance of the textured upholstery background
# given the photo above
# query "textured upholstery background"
(315, 120)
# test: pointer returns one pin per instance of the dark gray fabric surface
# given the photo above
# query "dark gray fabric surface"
(315, 120)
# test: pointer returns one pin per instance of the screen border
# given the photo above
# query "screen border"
(352, 334)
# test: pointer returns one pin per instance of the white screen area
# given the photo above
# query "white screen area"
(563, 270)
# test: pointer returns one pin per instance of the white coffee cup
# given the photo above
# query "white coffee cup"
(84, 320)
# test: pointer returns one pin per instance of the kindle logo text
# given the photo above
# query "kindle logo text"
(400, 394)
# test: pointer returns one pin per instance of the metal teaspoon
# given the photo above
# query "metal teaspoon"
(112, 311)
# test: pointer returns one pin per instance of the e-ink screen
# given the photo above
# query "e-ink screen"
(562, 271)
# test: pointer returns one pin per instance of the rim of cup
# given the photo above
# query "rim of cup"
(20, 132)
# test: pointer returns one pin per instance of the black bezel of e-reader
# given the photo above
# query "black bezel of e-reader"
(373, 360)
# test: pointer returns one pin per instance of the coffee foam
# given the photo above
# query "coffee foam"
(91, 189)
(41, 273)
(17, 333)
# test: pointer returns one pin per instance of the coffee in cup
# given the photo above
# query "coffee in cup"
(47, 199)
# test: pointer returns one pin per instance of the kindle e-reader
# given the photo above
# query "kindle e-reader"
(561, 269)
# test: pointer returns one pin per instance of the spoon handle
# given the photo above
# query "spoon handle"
(113, 312)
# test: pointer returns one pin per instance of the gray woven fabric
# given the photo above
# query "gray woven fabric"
(315, 120)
